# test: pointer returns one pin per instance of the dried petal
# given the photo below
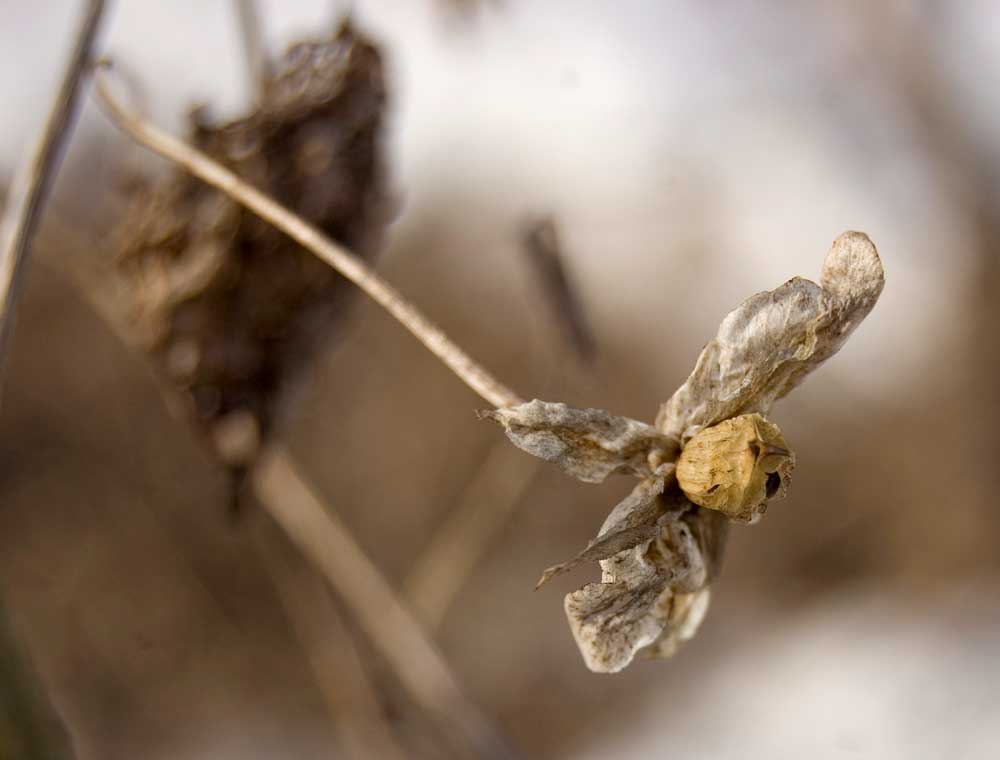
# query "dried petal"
(611, 622)
(767, 345)
(589, 444)
(631, 608)
(640, 510)
(685, 613)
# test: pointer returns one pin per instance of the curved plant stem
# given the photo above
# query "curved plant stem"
(34, 174)
(309, 237)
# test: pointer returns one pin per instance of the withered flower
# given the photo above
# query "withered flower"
(228, 307)
(711, 456)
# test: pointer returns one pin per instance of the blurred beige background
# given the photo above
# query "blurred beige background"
(692, 154)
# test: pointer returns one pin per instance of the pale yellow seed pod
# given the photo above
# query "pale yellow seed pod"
(736, 466)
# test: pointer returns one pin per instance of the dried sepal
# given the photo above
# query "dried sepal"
(589, 444)
(735, 467)
(767, 345)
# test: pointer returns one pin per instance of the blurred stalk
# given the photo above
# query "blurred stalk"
(30, 729)
(35, 173)
(29, 726)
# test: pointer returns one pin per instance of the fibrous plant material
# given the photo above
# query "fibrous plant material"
(712, 456)
(228, 307)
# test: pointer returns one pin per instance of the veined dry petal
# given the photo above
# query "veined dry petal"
(639, 512)
(767, 345)
(589, 444)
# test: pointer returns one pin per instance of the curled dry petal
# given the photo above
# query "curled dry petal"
(589, 444)
(639, 511)
(640, 601)
(684, 614)
(767, 345)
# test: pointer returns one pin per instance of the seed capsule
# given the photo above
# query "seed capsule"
(736, 466)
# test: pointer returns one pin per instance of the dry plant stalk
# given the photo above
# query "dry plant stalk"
(29, 725)
(392, 628)
(34, 175)
(228, 308)
(659, 550)
(499, 483)
(363, 729)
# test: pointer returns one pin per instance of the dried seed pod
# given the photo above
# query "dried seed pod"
(736, 466)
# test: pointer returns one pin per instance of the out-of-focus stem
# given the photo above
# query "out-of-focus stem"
(34, 175)
(393, 630)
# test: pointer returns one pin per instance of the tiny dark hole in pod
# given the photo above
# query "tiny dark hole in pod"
(773, 484)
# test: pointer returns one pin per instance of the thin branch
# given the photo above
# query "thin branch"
(337, 666)
(30, 729)
(392, 628)
(544, 252)
(312, 239)
(253, 46)
(497, 489)
(459, 543)
(34, 175)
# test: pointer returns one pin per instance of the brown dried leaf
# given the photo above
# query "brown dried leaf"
(229, 307)
(589, 444)
(767, 345)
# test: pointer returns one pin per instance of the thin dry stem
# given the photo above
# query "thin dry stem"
(34, 175)
(502, 479)
(337, 666)
(458, 544)
(310, 238)
(392, 628)
(252, 41)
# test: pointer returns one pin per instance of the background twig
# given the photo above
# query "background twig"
(392, 628)
(29, 726)
(34, 175)
(252, 41)
(504, 476)
(336, 663)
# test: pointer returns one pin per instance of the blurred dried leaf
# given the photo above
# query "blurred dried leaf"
(229, 307)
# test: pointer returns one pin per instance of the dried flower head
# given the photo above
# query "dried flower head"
(712, 456)
(229, 307)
